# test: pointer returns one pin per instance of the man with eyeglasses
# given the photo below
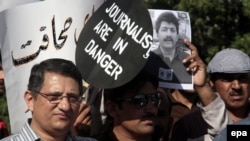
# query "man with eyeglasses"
(53, 97)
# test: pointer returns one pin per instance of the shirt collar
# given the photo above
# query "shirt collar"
(28, 132)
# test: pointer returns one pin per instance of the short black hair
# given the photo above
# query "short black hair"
(167, 17)
(56, 65)
(134, 85)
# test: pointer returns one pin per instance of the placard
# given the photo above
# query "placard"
(168, 49)
(115, 44)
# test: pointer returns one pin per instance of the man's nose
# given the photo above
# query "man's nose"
(168, 32)
(236, 84)
(64, 104)
(150, 107)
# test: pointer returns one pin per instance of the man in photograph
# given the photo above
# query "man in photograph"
(171, 56)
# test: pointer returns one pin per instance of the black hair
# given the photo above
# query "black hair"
(56, 65)
(167, 17)
(134, 85)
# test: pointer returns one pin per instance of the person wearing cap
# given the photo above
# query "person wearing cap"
(229, 77)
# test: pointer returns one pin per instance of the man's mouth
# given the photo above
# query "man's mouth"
(236, 95)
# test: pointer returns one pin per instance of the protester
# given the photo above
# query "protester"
(164, 121)
(190, 127)
(198, 67)
(229, 77)
(183, 102)
(53, 97)
(132, 109)
(232, 81)
(167, 30)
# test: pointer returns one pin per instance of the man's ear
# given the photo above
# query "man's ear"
(111, 108)
(29, 99)
(211, 83)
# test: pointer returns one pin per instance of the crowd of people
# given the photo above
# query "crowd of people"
(139, 110)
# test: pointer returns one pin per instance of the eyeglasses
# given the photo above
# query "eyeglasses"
(141, 99)
(56, 98)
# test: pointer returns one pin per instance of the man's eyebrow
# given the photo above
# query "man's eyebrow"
(72, 93)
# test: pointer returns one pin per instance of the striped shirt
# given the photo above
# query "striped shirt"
(27, 134)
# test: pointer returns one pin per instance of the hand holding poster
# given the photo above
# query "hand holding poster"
(34, 32)
(115, 43)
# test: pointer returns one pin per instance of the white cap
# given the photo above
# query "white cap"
(229, 61)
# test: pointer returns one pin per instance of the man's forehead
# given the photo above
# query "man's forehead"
(165, 23)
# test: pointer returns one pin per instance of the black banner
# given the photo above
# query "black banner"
(114, 45)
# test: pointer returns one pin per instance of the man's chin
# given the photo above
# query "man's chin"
(168, 47)
(62, 127)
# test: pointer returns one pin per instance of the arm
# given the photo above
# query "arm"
(213, 111)
(212, 106)
(201, 86)
(216, 116)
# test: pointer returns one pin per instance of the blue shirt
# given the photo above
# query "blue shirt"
(27, 134)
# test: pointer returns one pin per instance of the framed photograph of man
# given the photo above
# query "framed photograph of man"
(168, 50)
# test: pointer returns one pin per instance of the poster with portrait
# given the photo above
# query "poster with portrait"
(168, 50)
(33, 32)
